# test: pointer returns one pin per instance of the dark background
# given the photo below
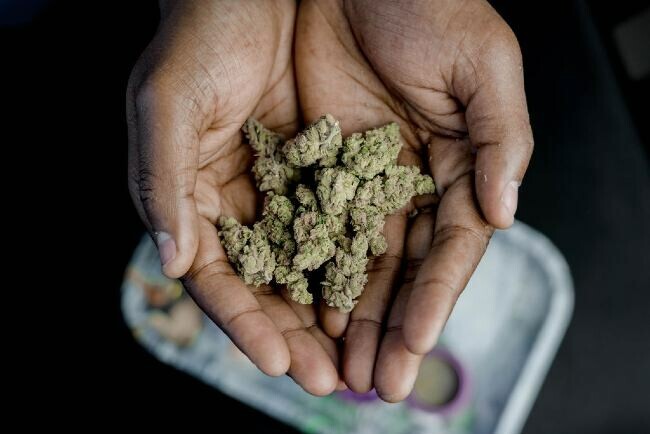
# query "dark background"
(63, 80)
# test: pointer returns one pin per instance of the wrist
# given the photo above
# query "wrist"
(280, 11)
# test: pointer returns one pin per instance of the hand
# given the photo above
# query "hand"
(450, 74)
(210, 66)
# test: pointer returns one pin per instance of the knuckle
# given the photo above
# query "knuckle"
(207, 270)
(366, 322)
(412, 269)
(444, 284)
(460, 232)
(178, 92)
(529, 144)
(290, 333)
(504, 42)
(385, 264)
(146, 187)
(230, 322)
(155, 189)
(159, 96)
(148, 91)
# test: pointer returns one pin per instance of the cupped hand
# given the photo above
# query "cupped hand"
(210, 66)
(450, 73)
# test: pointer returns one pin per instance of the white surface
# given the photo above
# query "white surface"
(505, 330)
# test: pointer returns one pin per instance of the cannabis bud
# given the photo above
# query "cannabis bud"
(324, 212)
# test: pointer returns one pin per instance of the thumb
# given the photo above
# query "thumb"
(499, 127)
(163, 159)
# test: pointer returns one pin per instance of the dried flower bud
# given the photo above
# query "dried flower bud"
(315, 250)
(234, 237)
(424, 184)
(400, 184)
(369, 154)
(346, 276)
(334, 224)
(303, 224)
(319, 141)
(370, 192)
(378, 244)
(264, 141)
(369, 220)
(256, 261)
(285, 252)
(297, 285)
(335, 188)
(279, 207)
(272, 172)
(306, 198)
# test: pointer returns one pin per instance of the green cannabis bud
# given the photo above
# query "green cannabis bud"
(249, 249)
(369, 154)
(271, 169)
(319, 142)
(336, 187)
(346, 276)
(333, 220)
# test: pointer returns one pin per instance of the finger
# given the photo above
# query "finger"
(333, 321)
(216, 288)
(365, 327)
(498, 126)
(307, 315)
(163, 160)
(449, 159)
(397, 367)
(460, 239)
(311, 365)
(381, 270)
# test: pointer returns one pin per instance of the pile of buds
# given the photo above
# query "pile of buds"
(326, 201)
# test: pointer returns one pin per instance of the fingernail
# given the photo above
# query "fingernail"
(510, 196)
(166, 247)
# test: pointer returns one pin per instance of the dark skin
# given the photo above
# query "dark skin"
(448, 72)
(210, 67)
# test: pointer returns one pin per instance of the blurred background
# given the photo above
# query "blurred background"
(587, 67)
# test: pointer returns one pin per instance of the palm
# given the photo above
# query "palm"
(225, 186)
(368, 64)
(368, 76)
(448, 72)
(185, 133)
